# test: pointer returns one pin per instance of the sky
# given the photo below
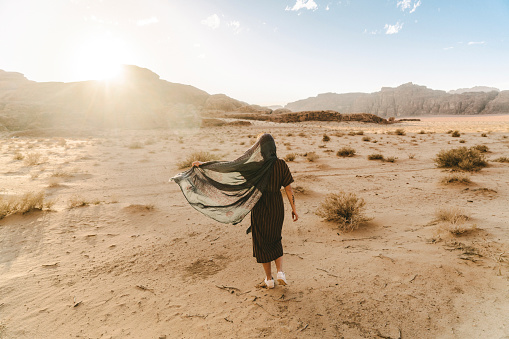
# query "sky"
(266, 52)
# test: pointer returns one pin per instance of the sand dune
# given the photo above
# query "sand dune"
(136, 261)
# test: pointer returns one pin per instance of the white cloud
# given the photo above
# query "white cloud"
(408, 4)
(235, 25)
(149, 21)
(476, 43)
(327, 8)
(448, 48)
(302, 4)
(393, 29)
(212, 21)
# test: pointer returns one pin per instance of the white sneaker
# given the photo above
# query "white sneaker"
(281, 278)
(269, 283)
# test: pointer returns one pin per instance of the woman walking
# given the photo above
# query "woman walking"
(227, 191)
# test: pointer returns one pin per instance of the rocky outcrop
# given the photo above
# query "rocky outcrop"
(219, 103)
(407, 100)
(474, 89)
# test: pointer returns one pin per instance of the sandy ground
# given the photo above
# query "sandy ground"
(138, 262)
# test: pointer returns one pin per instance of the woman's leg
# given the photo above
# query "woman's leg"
(279, 264)
(267, 269)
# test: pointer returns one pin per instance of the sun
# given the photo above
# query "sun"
(99, 59)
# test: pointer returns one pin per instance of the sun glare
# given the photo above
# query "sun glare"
(99, 59)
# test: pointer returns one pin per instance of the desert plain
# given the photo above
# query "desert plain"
(117, 252)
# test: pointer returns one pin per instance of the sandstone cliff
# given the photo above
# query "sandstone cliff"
(407, 100)
(136, 99)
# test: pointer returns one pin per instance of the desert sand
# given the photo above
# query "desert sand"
(136, 261)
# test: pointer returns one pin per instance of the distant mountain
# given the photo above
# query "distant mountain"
(137, 99)
(407, 100)
(474, 89)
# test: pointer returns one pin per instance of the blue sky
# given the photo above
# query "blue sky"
(265, 51)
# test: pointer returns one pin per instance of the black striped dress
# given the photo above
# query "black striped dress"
(268, 214)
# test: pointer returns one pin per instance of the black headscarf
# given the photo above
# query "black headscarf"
(227, 190)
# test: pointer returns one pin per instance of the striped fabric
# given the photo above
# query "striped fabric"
(268, 214)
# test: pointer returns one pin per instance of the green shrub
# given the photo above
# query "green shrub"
(462, 158)
(346, 152)
(344, 208)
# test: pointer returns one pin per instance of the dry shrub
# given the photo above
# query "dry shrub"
(359, 133)
(290, 157)
(399, 131)
(411, 155)
(77, 201)
(346, 152)
(33, 159)
(456, 178)
(196, 156)
(352, 133)
(21, 204)
(53, 182)
(390, 159)
(462, 158)
(325, 138)
(366, 138)
(376, 156)
(501, 159)
(135, 145)
(311, 156)
(422, 131)
(454, 220)
(343, 208)
(484, 135)
(462, 141)
(18, 156)
(302, 134)
(481, 148)
(455, 134)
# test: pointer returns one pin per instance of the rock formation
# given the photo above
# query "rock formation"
(407, 100)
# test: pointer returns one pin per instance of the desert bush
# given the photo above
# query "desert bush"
(455, 178)
(501, 159)
(135, 145)
(462, 158)
(33, 159)
(21, 204)
(484, 135)
(359, 133)
(455, 134)
(390, 159)
(449, 131)
(375, 156)
(302, 134)
(344, 208)
(352, 133)
(77, 201)
(18, 156)
(462, 141)
(289, 134)
(346, 152)
(53, 182)
(196, 156)
(411, 155)
(290, 157)
(311, 156)
(481, 148)
(399, 131)
(325, 138)
(339, 134)
(454, 220)
(422, 131)
(366, 138)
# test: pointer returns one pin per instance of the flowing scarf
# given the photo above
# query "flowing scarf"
(227, 190)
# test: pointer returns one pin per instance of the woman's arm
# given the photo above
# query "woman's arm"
(291, 199)
(197, 163)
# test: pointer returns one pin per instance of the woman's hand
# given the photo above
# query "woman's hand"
(295, 216)
(197, 163)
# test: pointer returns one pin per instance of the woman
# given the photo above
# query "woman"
(227, 191)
